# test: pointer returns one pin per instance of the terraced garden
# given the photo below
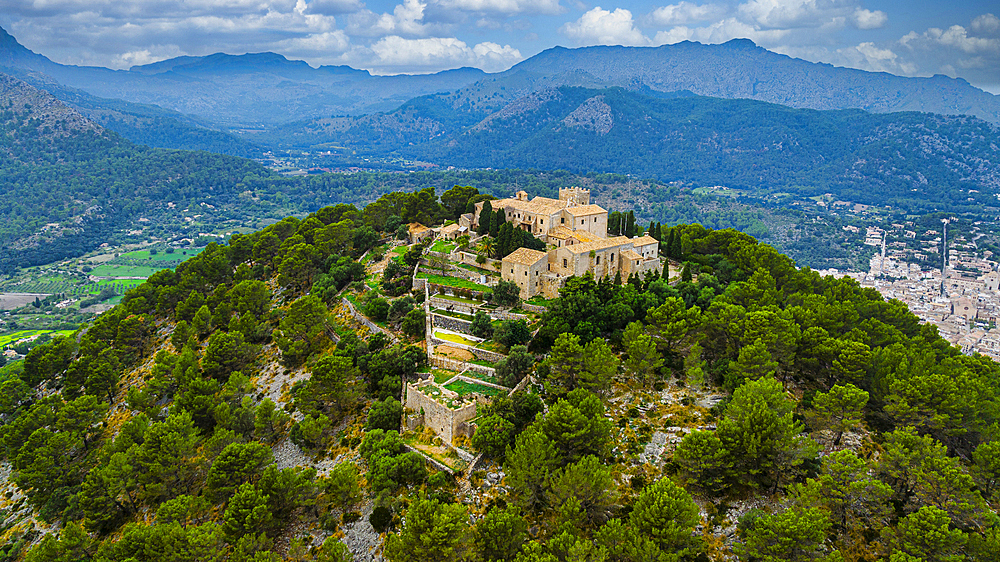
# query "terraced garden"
(453, 282)
(464, 387)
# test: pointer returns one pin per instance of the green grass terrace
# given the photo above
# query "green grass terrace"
(464, 387)
(446, 281)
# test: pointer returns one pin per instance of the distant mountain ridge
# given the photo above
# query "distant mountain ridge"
(737, 69)
(917, 160)
(264, 90)
(240, 91)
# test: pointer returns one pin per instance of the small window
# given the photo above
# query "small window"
(564, 262)
(612, 257)
(525, 273)
(583, 221)
(512, 272)
(562, 220)
(595, 219)
(598, 260)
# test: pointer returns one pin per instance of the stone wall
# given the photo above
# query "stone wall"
(372, 327)
(504, 315)
(445, 289)
(487, 355)
(453, 324)
(440, 418)
(469, 258)
(445, 304)
(520, 386)
(534, 308)
(460, 366)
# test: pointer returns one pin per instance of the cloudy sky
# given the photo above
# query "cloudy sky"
(914, 38)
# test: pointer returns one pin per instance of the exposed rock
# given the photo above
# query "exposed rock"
(593, 114)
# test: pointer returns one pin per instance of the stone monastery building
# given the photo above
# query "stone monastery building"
(576, 233)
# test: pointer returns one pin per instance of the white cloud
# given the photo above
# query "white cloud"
(986, 23)
(956, 37)
(601, 27)
(867, 19)
(335, 41)
(506, 6)
(438, 53)
(867, 56)
(720, 32)
(684, 13)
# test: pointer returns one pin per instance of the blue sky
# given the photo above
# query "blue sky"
(914, 38)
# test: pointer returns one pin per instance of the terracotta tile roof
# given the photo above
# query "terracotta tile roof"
(582, 210)
(631, 255)
(562, 233)
(538, 205)
(416, 227)
(599, 244)
(644, 240)
(450, 228)
(525, 256)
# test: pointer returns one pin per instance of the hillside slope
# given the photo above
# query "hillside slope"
(914, 160)
(70, 184)
(227, 412)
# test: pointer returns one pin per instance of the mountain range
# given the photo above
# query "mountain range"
(263, 90)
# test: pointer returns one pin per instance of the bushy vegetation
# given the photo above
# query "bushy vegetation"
(182, 455)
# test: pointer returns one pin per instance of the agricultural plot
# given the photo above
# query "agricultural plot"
(121, 270)
(14, 338)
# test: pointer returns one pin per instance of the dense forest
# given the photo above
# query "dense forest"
(854, 432)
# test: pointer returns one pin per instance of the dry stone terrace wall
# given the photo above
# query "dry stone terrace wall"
(471, 309)
(470, 259)
(454, 324)
(460, 366)
(372, 327)
(445, 304)
(487, 355)
(534, 308)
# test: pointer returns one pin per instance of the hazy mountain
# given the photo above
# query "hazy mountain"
(262, 90)
(70, 185)
(920, 160)
(244, 91)
(738, 69)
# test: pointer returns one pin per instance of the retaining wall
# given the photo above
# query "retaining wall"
(443, 362)
(464, 308)
(504, 315)
(469, 258)
(487, 355)
(533, 308)
(372, 327)
(453, 324)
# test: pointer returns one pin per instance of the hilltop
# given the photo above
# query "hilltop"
(245, 407)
